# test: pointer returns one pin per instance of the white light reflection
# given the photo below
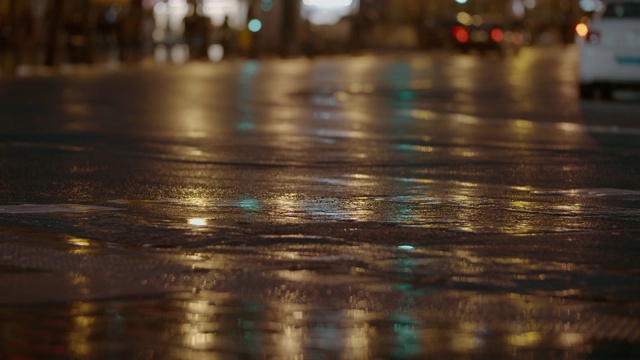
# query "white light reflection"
(199, 327)
(571, 127)
(197, 222)
(290, 340)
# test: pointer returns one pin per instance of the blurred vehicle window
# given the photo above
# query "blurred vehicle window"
(622, 11)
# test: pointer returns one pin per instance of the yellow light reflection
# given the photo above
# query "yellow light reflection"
(526, 339)
(361, 176)
(421, 84)
(79, 242)
(357, 88)
(199, 326)
(199, 341)
(464, 153)
(421, 63)
(77, 109)
(569, 340)
(522, 188)
(358, 210)
(466, 119)
(523, 124)
(82, 328)
(424, 114)
(341, 96)
(287, 207)
(291, 342)
(358, 340)
(423, 149)
(84, 246)
(462, 342)
(520, 81)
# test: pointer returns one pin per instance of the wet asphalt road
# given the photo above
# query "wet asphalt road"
(401, 206)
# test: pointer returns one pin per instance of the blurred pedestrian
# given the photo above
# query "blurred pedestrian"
(226, 38)
(77, 39)
(129, 30)
(4, 38)
(308, 43)
(196, 34)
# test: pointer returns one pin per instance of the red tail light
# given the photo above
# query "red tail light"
(497, 35)
(461, 34)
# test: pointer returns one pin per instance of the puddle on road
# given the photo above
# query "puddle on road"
(249, 292)
(414, 202)
(294, 318)
(301, 294)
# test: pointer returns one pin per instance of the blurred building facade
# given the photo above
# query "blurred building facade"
(53, 32)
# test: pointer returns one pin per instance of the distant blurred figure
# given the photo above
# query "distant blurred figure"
(566, 27)
(77, 39)
(361, 27)
(3, 36)
(226, 38)
(16, 35)
(308, 44)
(248, 35)
(355, 40)
(129, 33)
(196, 34)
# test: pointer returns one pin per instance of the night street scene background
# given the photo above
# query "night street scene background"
(313, 179)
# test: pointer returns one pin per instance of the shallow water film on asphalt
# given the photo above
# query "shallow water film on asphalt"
(427, 205)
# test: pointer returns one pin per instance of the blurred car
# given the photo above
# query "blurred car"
(609, 49)
(484, 33)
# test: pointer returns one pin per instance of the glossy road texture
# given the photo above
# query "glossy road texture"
(410, 206)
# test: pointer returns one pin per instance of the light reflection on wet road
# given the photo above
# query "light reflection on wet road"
(426, 205)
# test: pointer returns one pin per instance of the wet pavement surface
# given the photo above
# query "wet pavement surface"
(402, 206)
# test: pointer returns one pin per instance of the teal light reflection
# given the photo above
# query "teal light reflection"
(407, 342)
(406, 95)
(246, 89)
(246, 125)
(249, 204)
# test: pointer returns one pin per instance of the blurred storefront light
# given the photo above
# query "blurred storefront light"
(328, 3)
(255, 25)
(215, 52)
(169, 15)
(464, 18)
(590, 5)
(518, 8)
(234, 10)
(266, 5)
(328, 12)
